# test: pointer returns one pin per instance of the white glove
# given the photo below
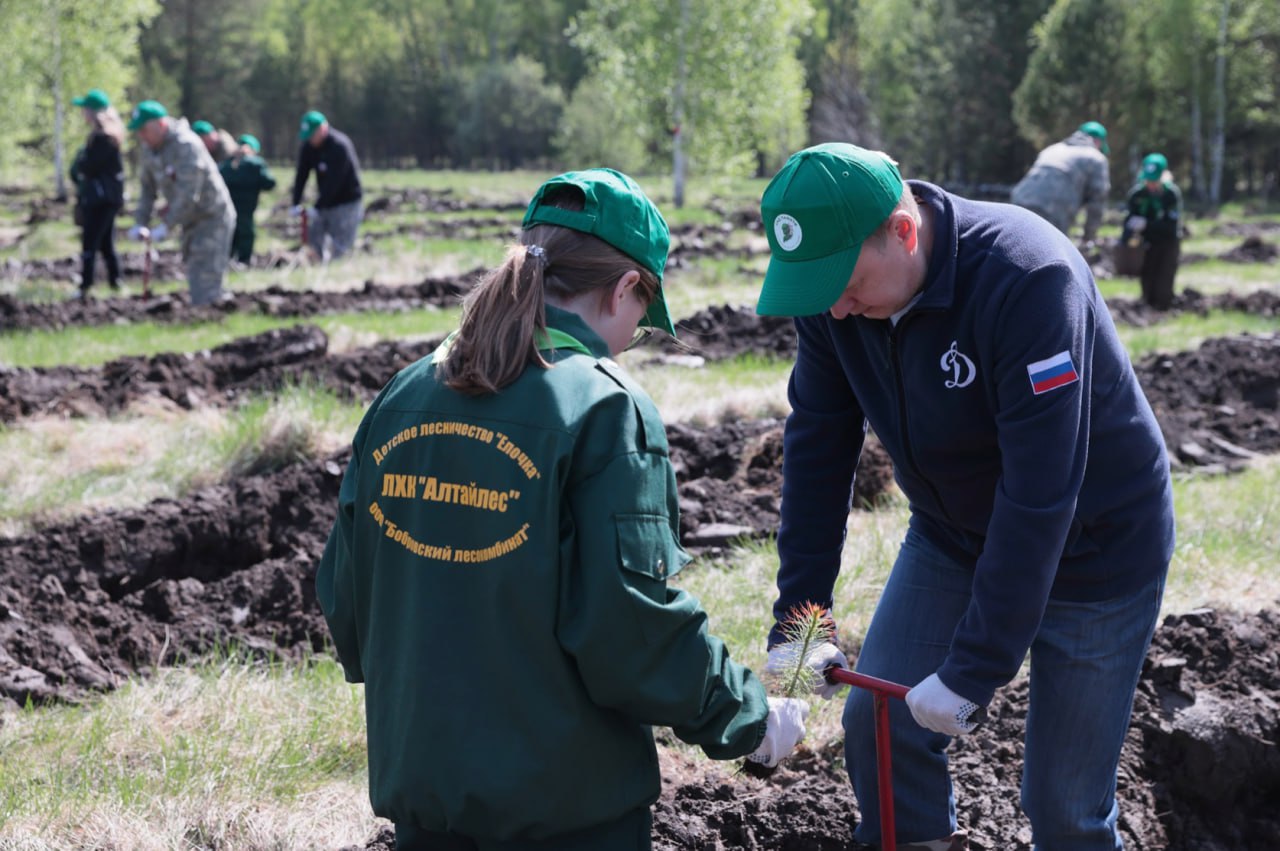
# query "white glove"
(783, 731)
(1137, 224)
(159, 232)
(936, 707)
(782, 660)
(139, 232)
(295, 210)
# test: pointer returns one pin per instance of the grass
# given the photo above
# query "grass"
(54, 469)
(232, 753)
(95, 345)
(228, 753)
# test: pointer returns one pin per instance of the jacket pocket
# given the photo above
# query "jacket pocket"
(648, 553)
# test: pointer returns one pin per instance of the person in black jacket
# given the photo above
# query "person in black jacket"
(98, 173)
(1155, 206)
(338, 209)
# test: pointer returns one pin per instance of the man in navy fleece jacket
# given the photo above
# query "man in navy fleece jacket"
(971, 338)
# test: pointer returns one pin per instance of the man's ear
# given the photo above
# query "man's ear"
(905, 229)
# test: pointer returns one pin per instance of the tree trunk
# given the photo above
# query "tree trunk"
(59, 112)
(678, 164)
(1198, 182)
(1220, 108)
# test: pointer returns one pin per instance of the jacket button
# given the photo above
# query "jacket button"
(662, 568)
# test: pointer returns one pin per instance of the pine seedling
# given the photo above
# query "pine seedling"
(807, 627)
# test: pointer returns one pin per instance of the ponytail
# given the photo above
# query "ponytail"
(504, 316)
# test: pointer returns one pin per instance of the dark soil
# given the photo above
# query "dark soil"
(274, 301)
(86, 603)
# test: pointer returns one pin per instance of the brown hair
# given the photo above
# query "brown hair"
(107, 122)
(504, 314)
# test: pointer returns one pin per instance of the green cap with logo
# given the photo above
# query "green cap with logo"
(1153, 166)
(817, 212)
(202, 128)
(250, 140)
(148, 110)
(617, 211)
(310, 122)
(95, 99)
(1097, 131)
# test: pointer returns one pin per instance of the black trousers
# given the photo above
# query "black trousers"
(98, 234)
(632, 832)
(1159, 267)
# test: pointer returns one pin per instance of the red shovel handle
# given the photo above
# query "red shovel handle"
(881, 690)
(875, 684)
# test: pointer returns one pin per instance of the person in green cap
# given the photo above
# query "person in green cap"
(1066, 176)
(176, 167)
(1154, 218)
(247, 176)
(512, 493)
(97, 170)
(972, 339)
(220, 144)
(336, 216)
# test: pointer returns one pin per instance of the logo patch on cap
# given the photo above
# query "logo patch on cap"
(788, 232)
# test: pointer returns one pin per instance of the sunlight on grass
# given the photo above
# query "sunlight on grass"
(744, 387)
(1187, 331)
(225, 753)
(96, 344)
(53, 469)
(1216, 276)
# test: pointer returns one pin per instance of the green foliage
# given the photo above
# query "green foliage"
(507, 115)
(1079, 71)
(54, 50)
(743, 98)
(583, 138)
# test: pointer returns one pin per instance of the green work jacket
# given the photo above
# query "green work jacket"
(246, 177)
(497, 577)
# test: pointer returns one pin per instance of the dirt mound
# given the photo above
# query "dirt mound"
(1218, 405)
(87, 602)
(1201, 745)
(1252, 250)
(274, 301)
(1137, 312)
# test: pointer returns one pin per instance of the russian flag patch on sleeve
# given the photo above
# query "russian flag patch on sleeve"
(1057, 371)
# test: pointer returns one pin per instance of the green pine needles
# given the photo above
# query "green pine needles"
(807, 627)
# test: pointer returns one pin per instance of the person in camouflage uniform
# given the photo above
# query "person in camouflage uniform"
(246, 175)
(1069, 175)
(219, 143)
(175, 165)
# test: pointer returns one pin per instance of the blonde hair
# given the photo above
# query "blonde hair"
(107, 122)
(908, 204)
(505, 313)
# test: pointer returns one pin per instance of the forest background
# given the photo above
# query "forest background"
(963, 93)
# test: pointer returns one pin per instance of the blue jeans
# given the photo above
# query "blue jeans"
(1085, 663)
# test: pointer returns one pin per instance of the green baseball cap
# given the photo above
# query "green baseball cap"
(202, 128)
(148, 110)
(817, 212)
(310, 122)
(1097, 131)
(1153, 166)
(250, 140)
(617, 211)
(95, 99)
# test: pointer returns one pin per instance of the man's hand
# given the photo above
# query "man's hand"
(936, 707)
(295, 211)
(159, 232)
(783, 731)
(1137, 224)
(139, 232)
(782, 660)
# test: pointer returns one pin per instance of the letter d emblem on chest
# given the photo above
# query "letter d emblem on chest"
(959, 366)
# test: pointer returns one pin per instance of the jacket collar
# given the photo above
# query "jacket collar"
(938, 291)
(575, 326)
